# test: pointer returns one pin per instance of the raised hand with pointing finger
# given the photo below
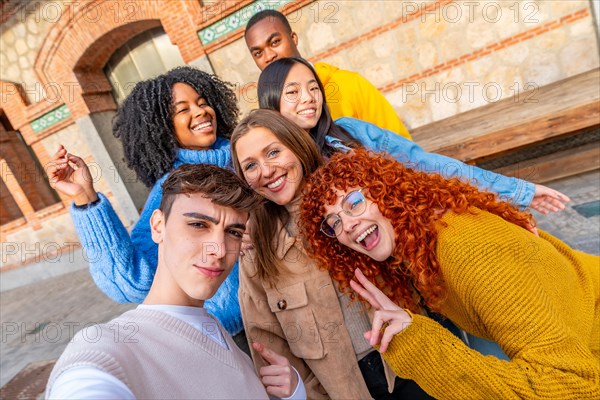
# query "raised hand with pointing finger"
(279, 377)
(70, 175)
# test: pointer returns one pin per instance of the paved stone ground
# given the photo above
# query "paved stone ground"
(579, 231)
(39, 319)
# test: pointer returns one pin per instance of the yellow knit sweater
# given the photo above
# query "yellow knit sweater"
(535, 296)
(348, 94)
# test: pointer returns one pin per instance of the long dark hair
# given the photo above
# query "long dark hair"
(144, 121)
(269, 217)
(270, 90)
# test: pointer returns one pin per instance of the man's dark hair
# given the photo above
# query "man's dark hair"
(259, 16)
(144, 122)
(217, 184)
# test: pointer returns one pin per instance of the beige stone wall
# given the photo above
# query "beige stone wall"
(234, 64)
(547, 58)
(434, 38)
(21, 37)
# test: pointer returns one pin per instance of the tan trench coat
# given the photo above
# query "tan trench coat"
(301, 318)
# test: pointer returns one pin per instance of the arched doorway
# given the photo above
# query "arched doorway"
(144, 56)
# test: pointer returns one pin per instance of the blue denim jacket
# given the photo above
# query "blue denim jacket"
(518, 192)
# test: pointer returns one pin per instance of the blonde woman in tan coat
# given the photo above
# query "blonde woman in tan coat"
(286, 301)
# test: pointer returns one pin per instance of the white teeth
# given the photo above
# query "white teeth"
(277, 183)
(365, 234)
(308, 111)
(202, 125)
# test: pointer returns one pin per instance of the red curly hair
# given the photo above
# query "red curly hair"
(412, 202)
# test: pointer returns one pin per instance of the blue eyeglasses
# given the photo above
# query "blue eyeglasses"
(353, 204)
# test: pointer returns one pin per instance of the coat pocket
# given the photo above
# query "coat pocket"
(295, 315)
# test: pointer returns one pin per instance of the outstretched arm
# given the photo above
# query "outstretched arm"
(87, 382)
(547, 200)
(519, 192)
(105, 241)
(121, 267)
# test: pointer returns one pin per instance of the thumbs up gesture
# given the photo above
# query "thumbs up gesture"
(278, 377)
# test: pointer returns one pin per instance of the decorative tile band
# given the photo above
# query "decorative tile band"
(50, 118)
(237, 19)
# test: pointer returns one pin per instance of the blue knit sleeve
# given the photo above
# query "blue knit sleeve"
(115, 263)
(517, 191)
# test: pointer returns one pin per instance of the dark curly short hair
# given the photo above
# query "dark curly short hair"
(268, 13)
(144, 120)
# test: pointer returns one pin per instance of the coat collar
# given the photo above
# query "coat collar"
(286, 237)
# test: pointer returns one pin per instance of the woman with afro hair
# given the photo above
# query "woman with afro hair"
(184, 116)
(442, 246)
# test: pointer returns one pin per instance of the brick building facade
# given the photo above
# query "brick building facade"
(432, 60)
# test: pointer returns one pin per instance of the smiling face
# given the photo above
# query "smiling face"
(301, 100)
(197, 247)
(195, 122)
(269, 167)
(268, 40)
(369, 233)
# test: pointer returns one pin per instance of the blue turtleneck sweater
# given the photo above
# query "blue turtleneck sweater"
(123, 267)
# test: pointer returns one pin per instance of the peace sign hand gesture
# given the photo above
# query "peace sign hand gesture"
(388, 314)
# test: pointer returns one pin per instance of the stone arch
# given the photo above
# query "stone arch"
(81, 42)
(72, 58)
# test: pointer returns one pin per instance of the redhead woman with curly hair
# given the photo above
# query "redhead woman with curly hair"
(441, 245)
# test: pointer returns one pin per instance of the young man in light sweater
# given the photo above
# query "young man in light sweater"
(170, 347)
(269, 36)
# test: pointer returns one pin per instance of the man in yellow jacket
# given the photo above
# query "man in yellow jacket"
(269, 36)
